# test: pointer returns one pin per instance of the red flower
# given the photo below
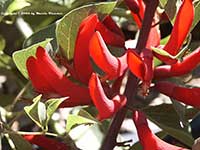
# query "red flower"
(179, 31)
(141, 66)
(148, 140)
(106, 107)
(45, 142)
(189, 96)
(137, 8)
(180, 68)
(47, 78)
(110, 32)
(112, 66)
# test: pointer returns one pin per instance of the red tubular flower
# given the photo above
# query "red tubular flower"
(105, 106)
(82, 63)
(180, 68)
(148, 140)
(179, 31)
(47, 78)
(45, 142)
(112, 66)
(141, 66)
(137, 8)
(189, 96)
(110, 32)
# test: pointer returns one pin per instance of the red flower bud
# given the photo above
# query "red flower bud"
(112, 66)
(148, 140)
(180, 68)
(45, 142)
(47, 78)
(105, 106)
(189, 96)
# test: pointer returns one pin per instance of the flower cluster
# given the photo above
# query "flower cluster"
(92, 37)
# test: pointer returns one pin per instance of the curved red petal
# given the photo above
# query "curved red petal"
(112, 26)
(148, 140)
(180, 30)
(82, 64)
(109, 36)
(180, 68)
(136, 65)
(105, 106)
(38, 81)
(139, 17)
(112, 66)
(45, 143)
(189, 96)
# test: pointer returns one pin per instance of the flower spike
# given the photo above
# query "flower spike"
(189, 96)
(46, 74)
(106, 107)
(180, 68)
(148, 140)
(82, 63)
(112, 66)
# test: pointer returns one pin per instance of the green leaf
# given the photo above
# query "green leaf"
(47, 32)
(68, 26)
(2, 43)
(181, 110)
(166, 118)
(52, 105)
(76, 120)
(20, 57)
(87, 115)
(42, 114)
(19, 142)
(4, 4)
(17, 5)
(162, 52)
(163, 3)
(196, 16)
(35, 111)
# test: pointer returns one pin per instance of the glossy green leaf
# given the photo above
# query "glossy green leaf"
(35, 111)
(76, 120)
(52, 105)
(19, 142)
(68, 26)
(166, 118)
(20, 57)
